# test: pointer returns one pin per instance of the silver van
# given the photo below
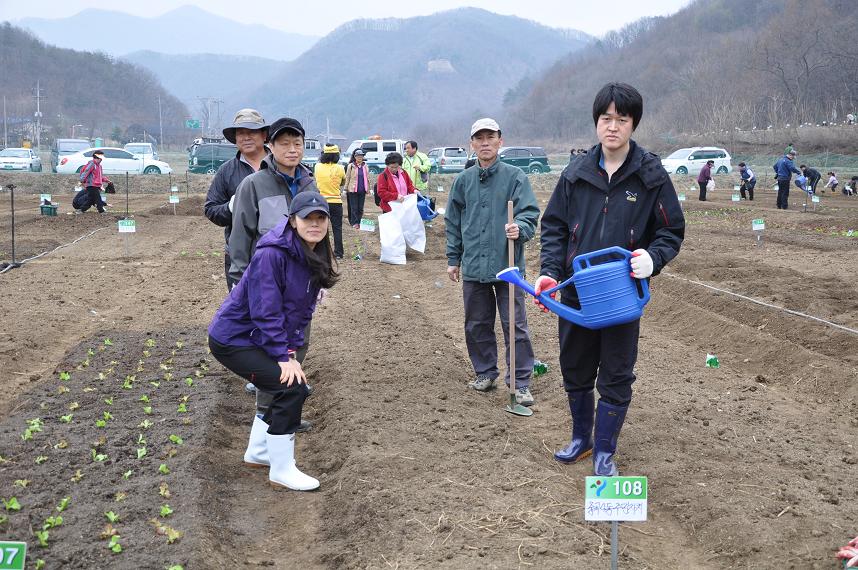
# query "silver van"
(63, 147)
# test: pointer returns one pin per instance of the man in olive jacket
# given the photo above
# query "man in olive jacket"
(477, 235)
(615, 195)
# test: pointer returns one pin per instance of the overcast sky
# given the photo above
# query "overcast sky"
(321, 16)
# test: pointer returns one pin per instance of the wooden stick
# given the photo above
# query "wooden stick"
(511, 256)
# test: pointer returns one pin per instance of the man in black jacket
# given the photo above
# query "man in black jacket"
(249, 132)
(615, 195)
(812, 176)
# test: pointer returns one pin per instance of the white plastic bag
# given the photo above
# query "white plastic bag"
(412, 224)
(710, 186)
(392, 240)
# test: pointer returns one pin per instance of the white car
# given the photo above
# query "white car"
(20, 159)
(375, 152)
(691, 160)
(116, 161)
(144, 150)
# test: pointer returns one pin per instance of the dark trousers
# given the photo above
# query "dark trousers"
(263, 399)
(811, 185)
(355, 204)
(482, 302)
(93, 198)
(604, 357)
(337, 227)
(749, 186)
(783, 193)
(253, 364)
(702, 186)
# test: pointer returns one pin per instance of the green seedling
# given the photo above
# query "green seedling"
(171, 452)
(176, 439)
(111, 516)
(176, 567)
(85, 363)
(73, 406)
(27, 435)
(98, 456)
(162, 469)
(42, 537)
(100, 423)
(127, 475)
(108, 401)
(184, 398)
(189, 381)
(183, 252)
(198, 374)
(90, 352)
(141, 452)
(127, 385)
(108, 342)
(77, 476)
(120, 496)
(101, 376)
(147, 354)
(165, 366)
(21, 483)
(61, 444)
(114, 545)
(3, 459)
(166, 511)
(51, 522)
(108, 531)
(89, 389)
(145, 424)
(182, 408)
(40, 564)
(155, 384)
(35, 425)
(12, 504)
(41, 459)
(147, 410)
(140, 439)
(164, 490)
(204, 367)
(64, 503)
(144, 398)
(63, 390)
(107, 416)
(67, 418)
(150, 342)
(140, 367)
(3, 519)
(168, 376)
(179, 344)
(172, 534)
(65, 376)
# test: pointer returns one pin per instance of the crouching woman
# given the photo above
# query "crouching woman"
(260, 327)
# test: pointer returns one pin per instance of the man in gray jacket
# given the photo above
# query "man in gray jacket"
(477, 235)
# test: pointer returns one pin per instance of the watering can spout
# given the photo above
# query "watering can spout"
(512, 275)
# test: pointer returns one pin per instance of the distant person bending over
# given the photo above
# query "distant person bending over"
(784, 169)
(851, 189)
(749, 181)
(813, 176)
(92, 178)
(357, 185)
(417, 165)
(704, 177)
(258, 330)
(330, 177)
(394, 184)
(248, 132)
(832, 183)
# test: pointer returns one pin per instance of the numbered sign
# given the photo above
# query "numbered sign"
(44, 198)
(735, 188)
(440, 188)
(615, 499)
(174, 198)
(174, 188)
(681, 196)
(127, 226)
(736, 198)
(367, 225)
(758, 225)
(12, 555)
(814, 199)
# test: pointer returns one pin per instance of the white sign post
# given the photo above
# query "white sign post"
(615, 499)
(814, 200)
(126, 227)
(174, 199)
(367, 225)
(758, 226)
(736, 195)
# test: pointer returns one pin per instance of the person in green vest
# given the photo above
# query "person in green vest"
(417, 165)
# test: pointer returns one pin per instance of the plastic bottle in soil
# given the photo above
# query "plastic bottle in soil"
(539, 368)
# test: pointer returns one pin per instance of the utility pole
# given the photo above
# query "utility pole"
(207, 106)
(160, 123)
(5, 130)
(38, 115)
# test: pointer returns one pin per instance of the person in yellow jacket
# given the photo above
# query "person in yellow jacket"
(417, 165)
(330, 178)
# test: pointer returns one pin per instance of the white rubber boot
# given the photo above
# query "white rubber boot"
(281, 450)
(257, 448)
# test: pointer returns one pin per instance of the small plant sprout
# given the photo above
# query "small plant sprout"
(171, 452)
(64, 503)
(150, 342)
(164, 490)
(176, 567)
(40, 564)
(41, 459)
(164, 366)
(172, 534)
(111, 516)
(85, 363)
(140, 439)
(3, 519)
(27, 435)
(141, 452)
(168, 376)
(12, 504)
(204, 367)
(162, 469)
(114, 545)
(100, 423)
(189, 381)
(108, 342)
(35, 425)
(77, 476)
(145, 424)
(63, 390)
(184, 398)
(176, 439)
(147, 354)
(22, 483)
(65, 376)
(96, 456)
(183, 408)
(128, 474)
(108, 531)
(155, 384)
(109, 401)
(73, 406)
(42, 537)
(120, 496)
(107, 416)
(144, 398)
(89, 389)
(90, 352)
(179, 344)
(102, 376)
(61, 444)
(66, 418)
(166, 511)
(3, 459)
(52, 521)
(198, 374)
(140, 366)
(147, 410)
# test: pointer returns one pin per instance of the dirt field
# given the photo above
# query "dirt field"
(751, 465)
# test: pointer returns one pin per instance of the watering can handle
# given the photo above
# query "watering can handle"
(579, 262)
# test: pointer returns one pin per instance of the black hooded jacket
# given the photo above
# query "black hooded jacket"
(637, 209)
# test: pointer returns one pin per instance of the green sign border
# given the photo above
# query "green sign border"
(16, 563)
(607, 484)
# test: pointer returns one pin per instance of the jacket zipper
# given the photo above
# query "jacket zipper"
(604, 219)
(664, 214)
(572, 250)
(632, 240)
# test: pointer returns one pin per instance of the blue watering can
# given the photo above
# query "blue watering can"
(609, 295)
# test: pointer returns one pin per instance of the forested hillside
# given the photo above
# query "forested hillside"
(716, 65)
(80, 88)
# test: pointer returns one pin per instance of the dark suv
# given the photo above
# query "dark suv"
(206, 158)
(529, 158)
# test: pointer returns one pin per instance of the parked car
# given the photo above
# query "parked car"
(116, 161)
(20, 159)
(312, 152)
(63, 147)
(376, 151)
(447, 159)
(529, 158)
(691, 160)
(144, 150)
(206, 158)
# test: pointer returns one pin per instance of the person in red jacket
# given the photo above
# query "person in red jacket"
(394, 184)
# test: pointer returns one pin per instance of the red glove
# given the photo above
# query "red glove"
(544, 283)
(850, 555)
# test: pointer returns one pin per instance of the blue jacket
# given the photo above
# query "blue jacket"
(273, 302)
(785, 168)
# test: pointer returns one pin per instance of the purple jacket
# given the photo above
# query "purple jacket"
(273, 302)
(705, 174)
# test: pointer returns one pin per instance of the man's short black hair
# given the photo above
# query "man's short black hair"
(98, 153)
(626, 99)
(412, 143)
(803, 166)
(393, 157)
(741, 165)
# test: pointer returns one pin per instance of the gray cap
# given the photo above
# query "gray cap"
(485, 124)
(245, 119)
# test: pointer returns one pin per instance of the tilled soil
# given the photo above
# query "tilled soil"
(751, 465)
